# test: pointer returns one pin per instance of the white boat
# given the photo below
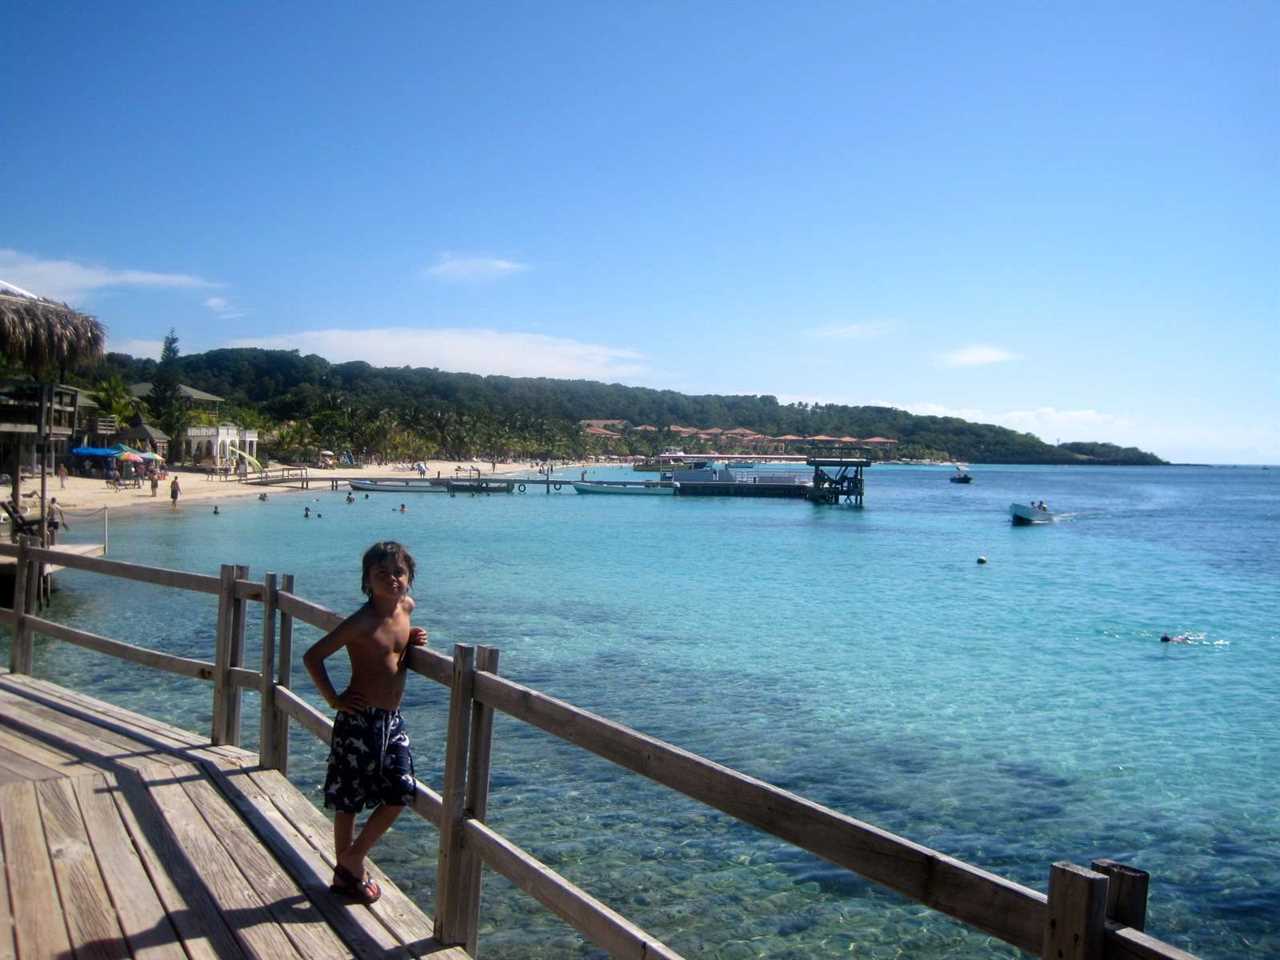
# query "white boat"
(646, 488)
(407, 485)
(1026, 513)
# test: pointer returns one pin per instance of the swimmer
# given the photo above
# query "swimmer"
(262, 496)
(402, 508)
(1180, 638)
(215, 509)
(306, 512)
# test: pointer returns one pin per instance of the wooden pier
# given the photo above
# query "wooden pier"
(124, 836)
(209, 851)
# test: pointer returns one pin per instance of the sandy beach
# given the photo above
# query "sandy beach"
(81, 495)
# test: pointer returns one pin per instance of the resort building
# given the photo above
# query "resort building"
(219, 446)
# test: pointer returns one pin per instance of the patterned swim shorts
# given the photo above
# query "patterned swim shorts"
(370, 763)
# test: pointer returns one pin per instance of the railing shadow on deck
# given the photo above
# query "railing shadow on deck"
(1088, 913)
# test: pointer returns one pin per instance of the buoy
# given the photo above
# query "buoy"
(982, 560)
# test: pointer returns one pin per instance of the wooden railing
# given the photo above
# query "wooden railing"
(1088, 913)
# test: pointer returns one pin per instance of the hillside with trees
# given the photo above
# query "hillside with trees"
(302, 403)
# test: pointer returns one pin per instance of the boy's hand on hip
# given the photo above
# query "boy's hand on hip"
(350, 701)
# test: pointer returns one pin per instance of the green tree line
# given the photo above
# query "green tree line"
(305, 402)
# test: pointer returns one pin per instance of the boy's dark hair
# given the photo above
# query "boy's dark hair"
(380, 552)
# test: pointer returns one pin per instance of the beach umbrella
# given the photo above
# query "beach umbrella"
(129, 456)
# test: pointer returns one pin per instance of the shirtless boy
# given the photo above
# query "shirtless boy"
(370, 764)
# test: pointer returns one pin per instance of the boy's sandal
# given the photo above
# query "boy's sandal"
(347, 884)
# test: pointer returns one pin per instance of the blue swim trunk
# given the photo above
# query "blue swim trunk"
(370, 763)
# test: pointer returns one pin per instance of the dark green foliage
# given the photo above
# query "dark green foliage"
(1109, 453)
(353, 406)
(167, 406)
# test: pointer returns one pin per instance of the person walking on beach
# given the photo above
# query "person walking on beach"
(55, 518)
(62, 476)
(370, 763)
(155, 481)
(175, 491)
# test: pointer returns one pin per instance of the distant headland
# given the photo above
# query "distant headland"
(301, 402)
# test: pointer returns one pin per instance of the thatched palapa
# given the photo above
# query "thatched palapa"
(40, 334)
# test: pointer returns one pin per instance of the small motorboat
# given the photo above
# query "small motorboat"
(396, 485)
(961, 475)
(1027, 513)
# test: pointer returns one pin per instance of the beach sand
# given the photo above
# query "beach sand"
(82, 495)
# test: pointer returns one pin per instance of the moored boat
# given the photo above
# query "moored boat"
(1027, 513)
(394, 485)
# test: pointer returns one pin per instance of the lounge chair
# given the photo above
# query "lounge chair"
(22, 526)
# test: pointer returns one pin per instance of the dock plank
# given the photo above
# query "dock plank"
(90, 916)
(39, 928)
(8, 949)
(230, 889)
(141, 915)
(400, 914)
(43, 754)
(301, 921)
(91, 742)
(363, 932)
(24, 768)
(192, 911)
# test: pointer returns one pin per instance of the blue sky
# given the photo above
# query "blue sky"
(1063, 218)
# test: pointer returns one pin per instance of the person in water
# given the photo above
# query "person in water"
(1180, 638)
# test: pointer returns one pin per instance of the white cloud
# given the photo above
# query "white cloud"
(137, 348)
(471, 269)
(70, 281)
(853, 331)
(975, 356)
(224, 308)
(472, 351)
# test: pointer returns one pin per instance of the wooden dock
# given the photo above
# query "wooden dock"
(123, 836)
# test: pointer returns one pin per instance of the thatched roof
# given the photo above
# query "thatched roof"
(41, 334)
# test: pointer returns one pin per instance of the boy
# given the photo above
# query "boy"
(369, 763)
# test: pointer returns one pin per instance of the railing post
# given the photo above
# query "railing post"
(221, 650)
(235, 657)
(20, 653)
(1075, 926)
(1126, 893)
(284, 678)
(477, 796)
(451, 921)
(268, 717)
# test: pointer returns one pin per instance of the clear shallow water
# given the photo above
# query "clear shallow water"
(1011, 714)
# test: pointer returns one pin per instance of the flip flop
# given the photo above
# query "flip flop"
(347, 884)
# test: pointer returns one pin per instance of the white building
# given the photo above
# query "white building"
(219, 445)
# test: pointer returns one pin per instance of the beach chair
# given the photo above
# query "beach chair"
(22, 526)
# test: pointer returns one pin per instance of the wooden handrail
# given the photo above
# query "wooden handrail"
(603, 926)
(1000, 907)
(184, 666)
(197, 582)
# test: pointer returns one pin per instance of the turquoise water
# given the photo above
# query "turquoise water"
(1011, 714)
